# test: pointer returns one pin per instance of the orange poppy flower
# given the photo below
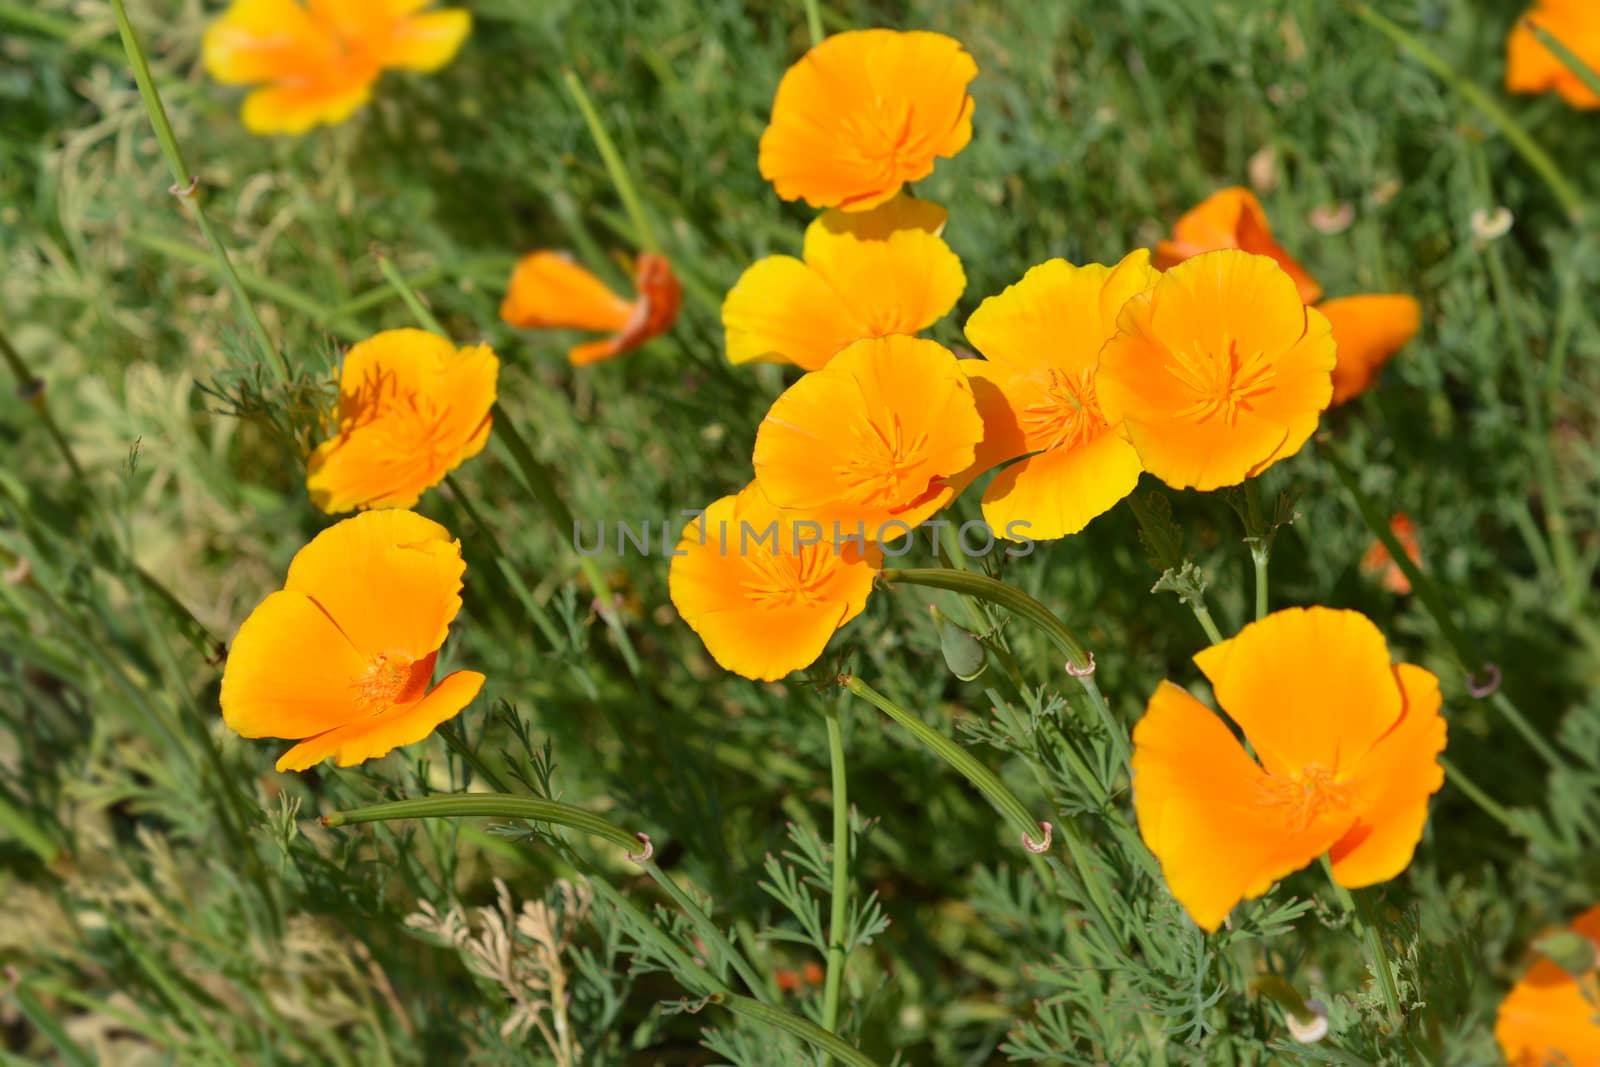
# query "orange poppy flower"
(1368, 330)
(550, 291)
(865, 274)
(865, 112)
(317, 62)
(1348, 748)
(1379, 564)
(1533, 68)
(1232, 218)
(1550, 1017)
(412, 408)
(766, 591)
(1217, 371)
(341, 658)
(1036, 392)
(874, 440)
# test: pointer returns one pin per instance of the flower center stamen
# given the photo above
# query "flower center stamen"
(1225, 383)
(1067, 412)
(386, 680)
(1304, 796)
(882, 468)
(786, 579)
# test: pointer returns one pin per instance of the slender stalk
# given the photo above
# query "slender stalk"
(957, 757)
(709, 931)
(838, 903)
(814, 22)
(33, 389)
(1536, 157)
(1260, 544)
(408, 295)
(644, 234)
(1080, 662)
(287, 296)
(186, 187)
(1433, 601)
(1377, 958)
(804, 1029)
(1495, 810)
(492, 806)
(1202, 615)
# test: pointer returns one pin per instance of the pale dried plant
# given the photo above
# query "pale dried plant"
(521, 951)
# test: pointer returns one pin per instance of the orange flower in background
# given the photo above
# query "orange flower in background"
(1232, 218)
(341, 658)
(1348, 748)
(550, 291)
(765, 591)
(1379, 564)
(1368, 330)
(1533, 68)
(865, 112)
(1036, 392)
(317, 62)
(1217, 371)
(865, 274)
(878, 436)
(1550, 1018)
(412, 408)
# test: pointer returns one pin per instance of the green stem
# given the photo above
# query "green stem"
(1202, 615)
(838, 904)
(1080, 663)
(1260, 544)
(494, 806)
(1377, 958)
(804, 1029)
(1536, 157)
(958, 758)
(644, 234)
(708, 929)
(34, 389)
(1433, 601)
(186, 187)
(284, 295)
(408, 295)
(814, 22)
(1495, 810)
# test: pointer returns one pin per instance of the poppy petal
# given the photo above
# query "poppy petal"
(782, 311)
(1331, 665)
(427, 41)
(390, 580)
(293, 109)
(1232, 218)
(374, 736)
(1056, 493)
(1395, 780)
(290, 672)
(1368, 330)
(1549, 1016)
(550, 290)
(1208, 813)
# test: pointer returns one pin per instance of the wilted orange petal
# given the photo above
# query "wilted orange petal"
(550, 290)
(1393, 782)
(1210, 814)
(1378, 563)
(390, 580)
(865, 112)
(655, 309)
(872, 437)
(1309, 687)
(1232, 218)
(374, 736)
(1056, 493)
(1217, 371)
(290, 671)
(762, 605)
(1549, 1018)
(1368, 330)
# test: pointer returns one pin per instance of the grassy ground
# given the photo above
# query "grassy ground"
(163, 902)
